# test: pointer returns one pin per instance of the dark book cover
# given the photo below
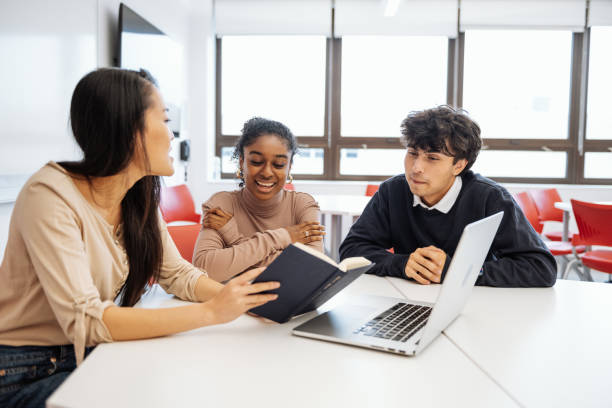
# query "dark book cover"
(306, 283)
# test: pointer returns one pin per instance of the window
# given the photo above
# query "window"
(372, 162)
(384, 78)
(512, 88)
(522, 164)
(276, 77)
(525, 101)
(344, 98)
(599, 119)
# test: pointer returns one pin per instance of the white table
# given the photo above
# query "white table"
(342, 209)
(249, 363)
(547, 347)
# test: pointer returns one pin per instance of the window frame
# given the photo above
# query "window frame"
(332, 142)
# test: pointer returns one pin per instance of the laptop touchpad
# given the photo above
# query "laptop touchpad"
(339, 322)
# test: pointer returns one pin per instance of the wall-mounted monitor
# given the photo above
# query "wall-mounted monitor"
(142, 45)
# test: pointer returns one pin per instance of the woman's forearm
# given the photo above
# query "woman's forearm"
(128, 323)
(207, 288)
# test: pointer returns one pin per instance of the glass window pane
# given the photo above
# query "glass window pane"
(517, 82)
(372, 162)
(227, 164)
(528, 164)
(276, 77)
(308, 161)
(599, 119)
(598, 165)
(384, 78)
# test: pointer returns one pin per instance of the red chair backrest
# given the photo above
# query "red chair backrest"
(184, 237)
(530, 210)
(176, 204)
(289, 187)
(594, 222)
(371, 189)
(545, 202)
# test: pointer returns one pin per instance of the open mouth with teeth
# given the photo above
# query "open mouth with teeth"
(264, 187)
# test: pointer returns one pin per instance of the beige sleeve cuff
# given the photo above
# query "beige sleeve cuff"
(89, 328)
(281, 238)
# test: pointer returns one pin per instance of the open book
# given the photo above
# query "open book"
(308, 279)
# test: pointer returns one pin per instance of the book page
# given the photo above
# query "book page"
(348, 263)
(316, 253)
(352, 263)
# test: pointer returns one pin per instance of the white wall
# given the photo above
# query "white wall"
(32, 77)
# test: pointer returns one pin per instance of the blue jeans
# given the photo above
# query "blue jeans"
(30, 374)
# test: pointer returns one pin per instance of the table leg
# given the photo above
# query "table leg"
(336, 236)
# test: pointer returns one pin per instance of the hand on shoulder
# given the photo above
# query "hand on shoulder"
(215, 218)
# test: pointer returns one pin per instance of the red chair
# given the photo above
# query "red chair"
(545, 202)
(176, 204)
(594, 228)
(558, 249)
(184, 237)
(371, 189)
(530, 210)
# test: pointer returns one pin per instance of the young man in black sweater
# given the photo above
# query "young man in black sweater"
(421, 214)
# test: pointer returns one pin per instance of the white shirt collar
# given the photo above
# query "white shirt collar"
(447, 202)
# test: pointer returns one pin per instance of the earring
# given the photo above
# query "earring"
(239, 174)
(290, 179)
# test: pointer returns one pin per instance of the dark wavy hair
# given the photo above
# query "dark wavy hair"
(107, 114)
(445, 130)
(256, 127)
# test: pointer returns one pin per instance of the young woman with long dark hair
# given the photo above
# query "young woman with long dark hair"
(85, 233)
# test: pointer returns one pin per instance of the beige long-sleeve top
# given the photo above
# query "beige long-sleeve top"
(255, 235)
(63, 266)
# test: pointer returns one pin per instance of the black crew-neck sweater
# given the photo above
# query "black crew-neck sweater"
(517, 257)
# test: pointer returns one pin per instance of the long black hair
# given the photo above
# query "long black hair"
(107, 116)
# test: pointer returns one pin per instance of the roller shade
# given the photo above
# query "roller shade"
(268, 17)
(526, 14)
(413, 17)
(600, 13)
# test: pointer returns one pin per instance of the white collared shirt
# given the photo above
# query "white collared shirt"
(447, 202)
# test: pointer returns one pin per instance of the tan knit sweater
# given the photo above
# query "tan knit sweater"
(63, 265)
(255, 235)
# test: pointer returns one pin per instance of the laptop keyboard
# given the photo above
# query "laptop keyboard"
(398, 323)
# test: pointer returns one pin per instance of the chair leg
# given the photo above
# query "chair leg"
(586, 272)
(561, 265)
(571, 265)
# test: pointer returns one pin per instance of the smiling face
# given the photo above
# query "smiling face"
(265, 166)
(431, 174)
(156, 138)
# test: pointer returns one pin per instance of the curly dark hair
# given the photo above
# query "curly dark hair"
(443, 129)
(255, 127)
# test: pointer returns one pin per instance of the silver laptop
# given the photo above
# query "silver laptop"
(400, 325)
